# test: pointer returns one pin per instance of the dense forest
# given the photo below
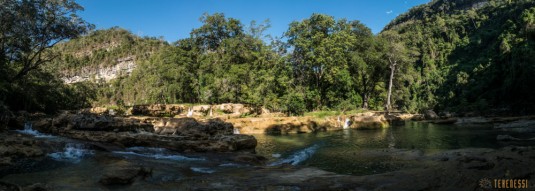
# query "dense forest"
(458, 56)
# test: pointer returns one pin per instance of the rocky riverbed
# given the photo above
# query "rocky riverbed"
(160, 153)
(183, 135)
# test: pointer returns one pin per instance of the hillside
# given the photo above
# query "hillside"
(102, 55)
(458, 56)
(473, 55)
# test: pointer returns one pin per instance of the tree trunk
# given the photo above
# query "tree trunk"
(389, 96)
(365, 101)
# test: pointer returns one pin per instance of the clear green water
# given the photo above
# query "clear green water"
(361, 152)
(355, 152)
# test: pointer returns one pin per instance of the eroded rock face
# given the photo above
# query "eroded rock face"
(369, 122)
(184, 135)
(92, 122)
(229, 110)
(159, 110)
(14, 146)
(287, 125)
(124, 67)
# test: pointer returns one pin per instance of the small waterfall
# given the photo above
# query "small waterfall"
(155, 153)
(73, 152)
(190, 112)
(298, 156)
(347, 123)
(28, 130)
(236, 131)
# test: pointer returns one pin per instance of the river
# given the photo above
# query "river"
(354, 151)
(75, 165)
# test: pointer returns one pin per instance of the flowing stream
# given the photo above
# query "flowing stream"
(77, 165)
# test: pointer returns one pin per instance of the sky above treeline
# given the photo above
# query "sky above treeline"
(174, 19)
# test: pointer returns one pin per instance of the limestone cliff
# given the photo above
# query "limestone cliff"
(123, 67)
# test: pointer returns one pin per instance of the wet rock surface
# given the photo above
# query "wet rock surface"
(14, 146)
(449, 170)
(460, 169)
(124, 173)
(430, 115)
(184, 135)
(9, 187)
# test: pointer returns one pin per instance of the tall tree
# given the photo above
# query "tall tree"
(365, 63)
(395, 53)
(29, 28)
(321, 46)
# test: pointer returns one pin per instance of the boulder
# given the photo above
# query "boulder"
(172, 110)
(446, 115)
(124, 173)
(98, 110)
(369, 122)
(251, 159)
(395, 120)
(430, 115)
(226, 108)
(418, 117)
(201, 110)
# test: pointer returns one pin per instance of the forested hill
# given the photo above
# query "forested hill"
(460, 56)
(102, 53)
(472, 55)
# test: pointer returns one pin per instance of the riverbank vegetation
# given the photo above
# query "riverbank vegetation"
(463, 56)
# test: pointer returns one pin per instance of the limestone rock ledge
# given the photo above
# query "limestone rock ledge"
(187, 134)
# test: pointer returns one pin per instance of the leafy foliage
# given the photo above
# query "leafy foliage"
(28, 31)
(473, 55)
(467, 55)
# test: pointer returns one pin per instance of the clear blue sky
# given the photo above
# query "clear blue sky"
(174, 19)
